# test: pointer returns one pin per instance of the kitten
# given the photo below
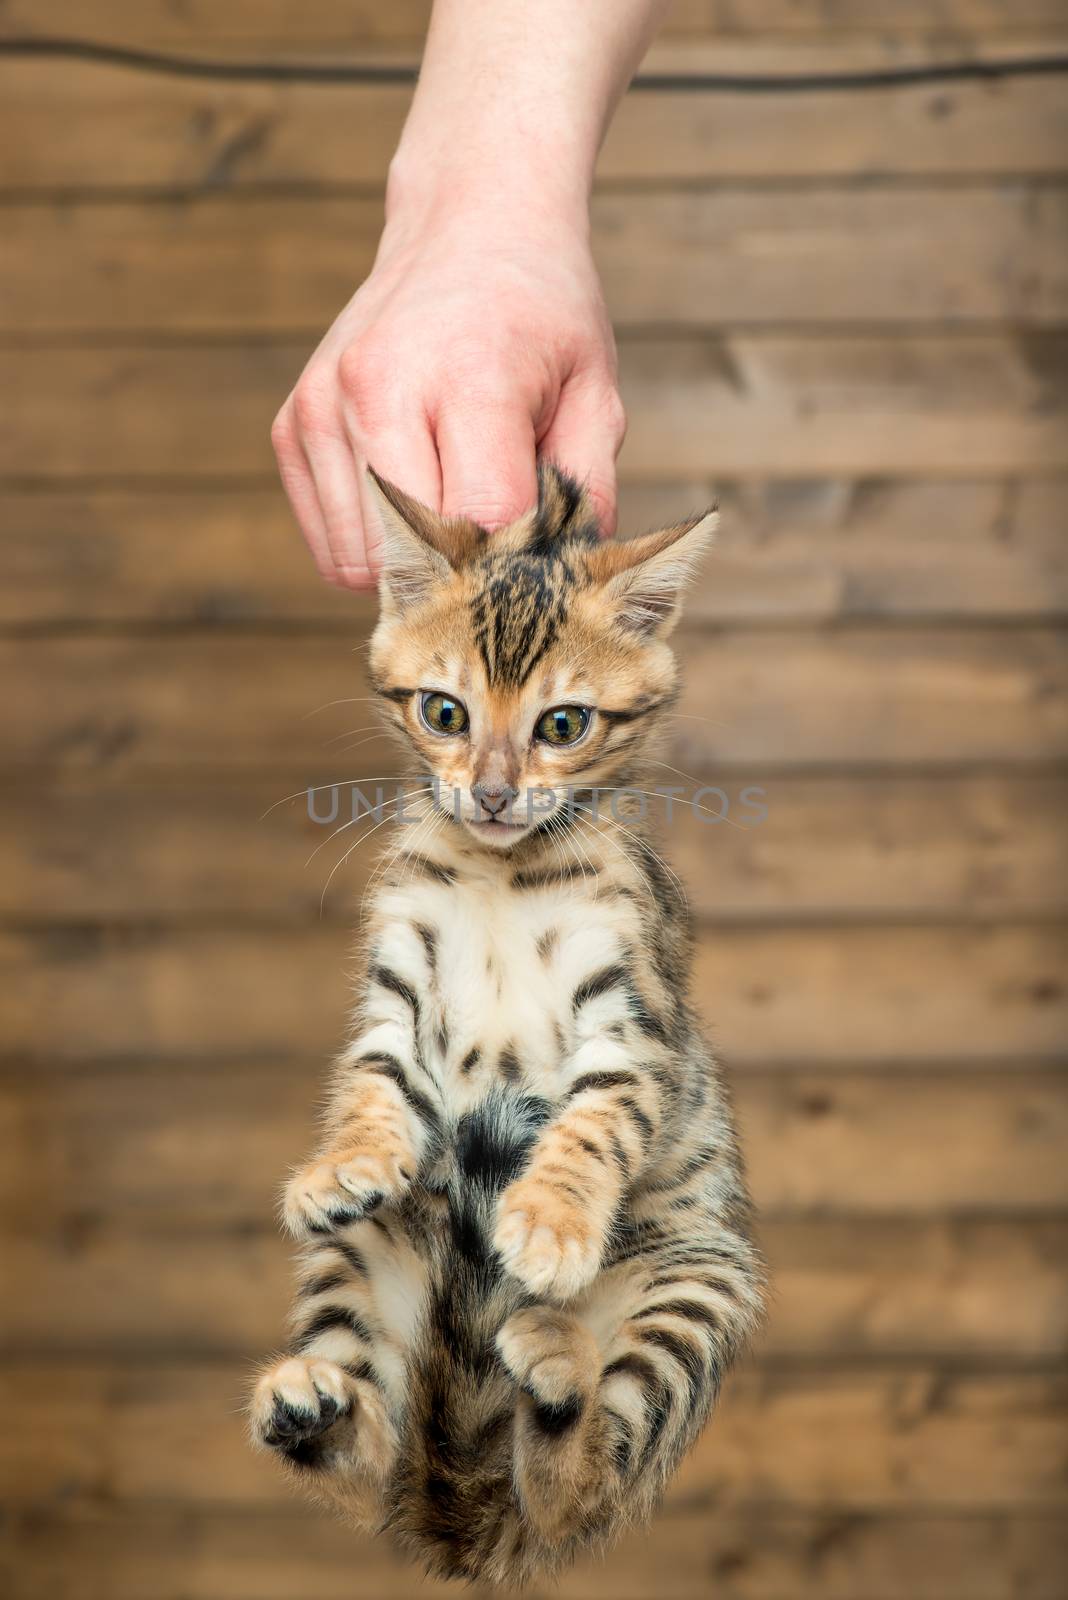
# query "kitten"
(526, 1261)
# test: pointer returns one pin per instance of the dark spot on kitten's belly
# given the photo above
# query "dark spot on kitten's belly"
(509, 1066)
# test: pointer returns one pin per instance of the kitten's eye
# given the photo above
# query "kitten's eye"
(443, 714)
(563, 724)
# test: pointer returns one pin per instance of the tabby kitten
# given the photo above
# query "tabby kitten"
(526, 1262)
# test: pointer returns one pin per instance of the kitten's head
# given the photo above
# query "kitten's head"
(527, 665)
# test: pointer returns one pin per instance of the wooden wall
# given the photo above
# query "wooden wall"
(846, 312)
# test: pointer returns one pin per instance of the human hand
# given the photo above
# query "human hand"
(479, 342)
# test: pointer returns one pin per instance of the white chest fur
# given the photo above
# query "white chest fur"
(496, 969)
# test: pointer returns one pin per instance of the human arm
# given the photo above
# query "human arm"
(480, 339)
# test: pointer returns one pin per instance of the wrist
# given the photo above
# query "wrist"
(532, 191)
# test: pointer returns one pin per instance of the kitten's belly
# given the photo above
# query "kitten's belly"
(502, 1006)
(498, 1008)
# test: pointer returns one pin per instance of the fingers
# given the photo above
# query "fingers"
(405, 457)
(299, 486)
(584, 438)
(329, 431)
(333, 469)
(319, 475)
(487, 454)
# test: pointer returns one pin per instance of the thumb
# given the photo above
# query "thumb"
(488, 470)
(584, 439)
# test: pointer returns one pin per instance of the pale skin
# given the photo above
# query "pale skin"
(480, 342)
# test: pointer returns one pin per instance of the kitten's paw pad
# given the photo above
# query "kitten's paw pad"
(545, 1241)
(296, 1402)
(341, 1189)
(296, 1405)
(552, 1356)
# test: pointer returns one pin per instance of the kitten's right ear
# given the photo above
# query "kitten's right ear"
(419, 549)
(410, 565)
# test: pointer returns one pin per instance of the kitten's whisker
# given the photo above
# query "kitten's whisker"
(350, 733)
(346, 700)
(688, 716)
(576, 844)
(644, 846)
(674, 799)
(558, 839)
(353, 846)
(338, 783)
(359, 817)
(390, 854)
(358, 744)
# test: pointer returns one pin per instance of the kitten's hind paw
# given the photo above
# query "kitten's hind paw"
(316, 1414)
(343, 1187)
(296, 1402)
(554, 1359)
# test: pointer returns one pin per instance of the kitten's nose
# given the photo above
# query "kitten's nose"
(493, 798)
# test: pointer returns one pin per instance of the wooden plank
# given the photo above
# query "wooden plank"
(880, 696)
(272, 29)
(826, 995)
(977, 846)
(908, 1439)
(845, 1288)
(88, 125)
(213, 264)
(756, 405)
(807, 550)
(186, 1553)
(161, 1140)
(824, 405)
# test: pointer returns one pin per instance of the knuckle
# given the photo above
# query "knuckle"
(615, 418)
(363, 371)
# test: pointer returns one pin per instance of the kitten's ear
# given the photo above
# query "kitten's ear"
(419, 549)
(646, 576)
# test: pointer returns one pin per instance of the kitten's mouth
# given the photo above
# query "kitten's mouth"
(496, 831)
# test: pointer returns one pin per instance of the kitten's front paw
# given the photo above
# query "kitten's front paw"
(545, 1239)
(343, 1187)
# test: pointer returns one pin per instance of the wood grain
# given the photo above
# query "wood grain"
(745, 405)
(841, 314)
(187, 1553)
(904, 1438)
(850, 1287)
(808, 550)
(793, 698)
(272, 26)
(207, 1144)
(215, 264)
(969, 847)
(823, 995)
(93, 126)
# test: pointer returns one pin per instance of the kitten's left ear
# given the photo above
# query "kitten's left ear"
(420, 549)
(646, 576)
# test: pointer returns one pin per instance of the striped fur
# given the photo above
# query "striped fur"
(526, 1263)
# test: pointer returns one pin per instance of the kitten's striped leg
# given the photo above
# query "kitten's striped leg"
(559, 1429)
(679, 1330)
(382, 1122)
(554, 1220)
(333, 1407)
(616, 1388)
